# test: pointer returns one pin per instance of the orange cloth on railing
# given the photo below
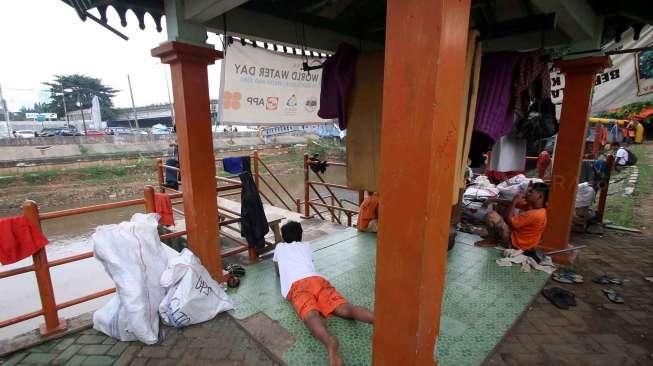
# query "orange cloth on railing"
(19, 239)
(163, 206)
(368, 211)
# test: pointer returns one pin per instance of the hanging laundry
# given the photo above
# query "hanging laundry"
(507, 159)
(543, 162)
(163, 206)
(19, 239)
(338, 74)
(494, 112)
(254, 224)
(532, 81)
(172, 175)
(237, 164)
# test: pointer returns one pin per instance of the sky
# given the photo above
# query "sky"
(43, 38)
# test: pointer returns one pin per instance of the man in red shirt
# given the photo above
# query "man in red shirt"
(521, 230)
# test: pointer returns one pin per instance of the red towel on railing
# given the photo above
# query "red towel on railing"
(163, 206)
(19, 239)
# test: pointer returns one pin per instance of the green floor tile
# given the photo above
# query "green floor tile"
(481, 300)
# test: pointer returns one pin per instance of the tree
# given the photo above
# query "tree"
(83, 89)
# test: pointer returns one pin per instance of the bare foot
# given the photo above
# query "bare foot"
(486, 243)
(334, 357)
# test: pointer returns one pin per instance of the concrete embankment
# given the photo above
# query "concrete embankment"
(21, 155)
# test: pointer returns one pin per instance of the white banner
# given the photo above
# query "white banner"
(629, 80)
(263, 87)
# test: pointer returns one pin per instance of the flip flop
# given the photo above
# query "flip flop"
(567, 277)
(559, 297)
(236, 270)
(649, 279)
(613, 296)
(606, 280)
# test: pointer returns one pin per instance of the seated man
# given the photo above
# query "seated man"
(524, 230)
(312, 296)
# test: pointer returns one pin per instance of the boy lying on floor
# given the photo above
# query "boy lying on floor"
(523, 230)
(312, 296)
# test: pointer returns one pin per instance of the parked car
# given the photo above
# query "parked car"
(59, 131)
(25, 134)
(159, 129)
(95, 133)
(49, 132)
(69, 131)
(125, 131)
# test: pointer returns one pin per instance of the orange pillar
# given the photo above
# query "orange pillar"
(426, 44)
(580, 75)
(188, 65)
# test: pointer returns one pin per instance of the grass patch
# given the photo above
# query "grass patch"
(621, 210)
(83, 150)
(41, 177)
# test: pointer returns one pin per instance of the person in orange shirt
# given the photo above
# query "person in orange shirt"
(369, 213)
(523, 230)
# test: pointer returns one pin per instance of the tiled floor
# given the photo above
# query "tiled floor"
(481, 300)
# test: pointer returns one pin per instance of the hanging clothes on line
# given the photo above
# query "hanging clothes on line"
(494, 113)
(507, 159)
(532, 81)
(338, 73)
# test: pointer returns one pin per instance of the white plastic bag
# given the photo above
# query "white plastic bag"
(584, 195)
(134, 258)
(192, 295)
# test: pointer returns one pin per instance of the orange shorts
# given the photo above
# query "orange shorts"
(314, 293)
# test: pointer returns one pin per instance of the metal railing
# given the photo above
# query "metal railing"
(41, 266)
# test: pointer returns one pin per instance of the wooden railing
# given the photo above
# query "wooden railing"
(273, 186)
(336, 204)
(41, 266)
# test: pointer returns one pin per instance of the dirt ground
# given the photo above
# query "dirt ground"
(597, 331)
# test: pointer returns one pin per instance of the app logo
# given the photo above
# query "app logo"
(272, 103)
(256, 101)
(311, 104)
(290, 107)
(231, 100)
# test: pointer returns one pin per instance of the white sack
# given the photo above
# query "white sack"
(134, 258)
(192, 295)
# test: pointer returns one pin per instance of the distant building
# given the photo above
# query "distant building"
(149, 116)
(76, 116)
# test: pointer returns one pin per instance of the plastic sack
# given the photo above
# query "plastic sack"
(584, 195)
(474, 210)
(192, 295)
(517, 184)
(134, 258)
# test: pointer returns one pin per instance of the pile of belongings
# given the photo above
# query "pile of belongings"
(152, 285)
(482, 189)
(528, 262)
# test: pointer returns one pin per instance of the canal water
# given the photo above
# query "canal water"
(69, 236)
